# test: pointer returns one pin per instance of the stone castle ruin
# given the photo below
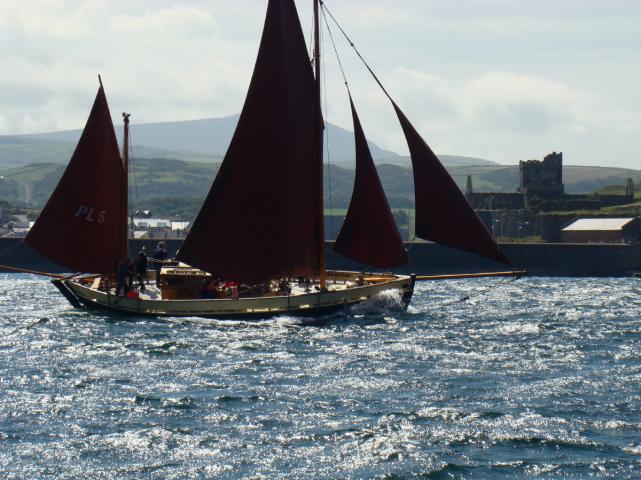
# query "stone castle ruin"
(542, 177)
(541, 189)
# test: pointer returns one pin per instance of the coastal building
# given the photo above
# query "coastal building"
(158, 228)
(602, 230)
(17, 227)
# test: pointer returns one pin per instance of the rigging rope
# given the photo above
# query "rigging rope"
(338, 58)
(483, 291)
(324, 8)
(329, 168)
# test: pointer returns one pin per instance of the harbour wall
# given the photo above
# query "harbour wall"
(540, 259)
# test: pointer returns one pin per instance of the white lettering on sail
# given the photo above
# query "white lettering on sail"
(87, 214)
(81, 210)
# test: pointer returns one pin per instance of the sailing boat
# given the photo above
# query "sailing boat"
(259, 233)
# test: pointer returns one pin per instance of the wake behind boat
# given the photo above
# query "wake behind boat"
(258, 240)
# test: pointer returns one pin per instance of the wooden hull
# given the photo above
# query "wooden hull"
(337, 297)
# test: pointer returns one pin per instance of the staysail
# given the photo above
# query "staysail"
(443, 214)
(369, 233)
(259, 220)
(82, 225)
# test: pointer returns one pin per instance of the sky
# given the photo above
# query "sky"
(496, 79)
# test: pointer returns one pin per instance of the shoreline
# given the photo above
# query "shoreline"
(539, 259)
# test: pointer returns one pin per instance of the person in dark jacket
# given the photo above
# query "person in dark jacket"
(141, 269)
(159, 255)
(131, 273)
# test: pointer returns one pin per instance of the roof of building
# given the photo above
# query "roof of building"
(148, 223)
(598, 224)
(152, 223)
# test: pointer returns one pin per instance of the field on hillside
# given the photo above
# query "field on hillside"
(175, 182)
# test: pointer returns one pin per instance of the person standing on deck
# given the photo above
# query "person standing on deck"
(159, 255)
(141, 269)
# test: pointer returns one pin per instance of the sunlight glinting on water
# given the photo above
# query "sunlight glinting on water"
(538, 378)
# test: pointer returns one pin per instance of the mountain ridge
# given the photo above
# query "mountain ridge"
(190, 140)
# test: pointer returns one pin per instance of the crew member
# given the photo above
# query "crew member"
(159, 255)
(141, 268)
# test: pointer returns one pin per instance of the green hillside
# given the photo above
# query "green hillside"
(169, 186)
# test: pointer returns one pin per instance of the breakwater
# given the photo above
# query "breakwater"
(540, 259)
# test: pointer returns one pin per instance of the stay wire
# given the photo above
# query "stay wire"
(478, 293)
(327, 149)
(349, 40)
(338, 58)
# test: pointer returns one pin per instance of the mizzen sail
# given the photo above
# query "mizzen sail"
(82, 225)
(259, 220)
(369, 233)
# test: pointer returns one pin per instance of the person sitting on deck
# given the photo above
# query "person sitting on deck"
(159, 255)
(210, 288)
(284, 287)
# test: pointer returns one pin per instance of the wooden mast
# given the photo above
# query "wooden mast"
(125, 165)
(319, 148)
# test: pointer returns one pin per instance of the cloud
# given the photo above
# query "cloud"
(494, 78)
(169, 21)
(525, 104)
(493, 114)
(166, 62)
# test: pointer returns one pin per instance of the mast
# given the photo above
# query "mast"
(125, 166)
(319, 148)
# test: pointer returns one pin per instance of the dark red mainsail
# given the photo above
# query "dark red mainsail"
(83, 224)
(369, 233)
(259, 220)
(443, 214)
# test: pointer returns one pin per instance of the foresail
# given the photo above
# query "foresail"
(369, 233)
(259, 219)
(82, 225)
(443, 214)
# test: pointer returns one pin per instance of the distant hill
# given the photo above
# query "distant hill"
(18, 151)
(447, 160)
(174, 164)
(193, 140)
(178, 187)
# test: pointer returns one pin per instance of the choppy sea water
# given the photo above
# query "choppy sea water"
(539, 378)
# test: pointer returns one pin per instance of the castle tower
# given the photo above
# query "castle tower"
(542, 178)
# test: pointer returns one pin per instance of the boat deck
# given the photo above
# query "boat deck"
(152, 292)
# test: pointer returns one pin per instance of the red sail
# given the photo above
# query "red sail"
(83, 224)
(259, 219)
(443, 214)
(369, 233)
